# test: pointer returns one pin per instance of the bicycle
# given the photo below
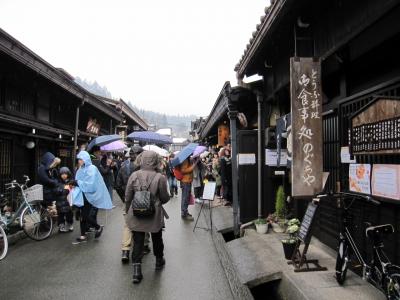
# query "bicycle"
(34, 219)
(379, 271)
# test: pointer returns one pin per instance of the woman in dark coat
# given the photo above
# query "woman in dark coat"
(146, 176)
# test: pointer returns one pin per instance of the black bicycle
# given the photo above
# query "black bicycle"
(379, 271)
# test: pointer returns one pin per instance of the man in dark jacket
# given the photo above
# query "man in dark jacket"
(127, 168)
(48, 177)
(226, 175)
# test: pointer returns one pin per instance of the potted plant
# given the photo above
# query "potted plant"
(261, 226)
(289, 244)
(278, 220)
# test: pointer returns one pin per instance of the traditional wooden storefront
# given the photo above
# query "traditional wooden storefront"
(357, 44)
(39, 107)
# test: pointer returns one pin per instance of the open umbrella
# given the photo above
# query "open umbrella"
(199, 150)
(150, 137)
(103, 140)
(183, 154)
(160, 151)
(114, 147)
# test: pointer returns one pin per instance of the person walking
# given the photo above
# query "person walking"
(126, 170)
(186, 169)
(89, 192)
(64, 210)
(216, 168)
(172, 183)
(226, 175)
(157, 185)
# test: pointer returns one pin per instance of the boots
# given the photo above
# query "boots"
(160, 262)
(125, 256)
(137, 273)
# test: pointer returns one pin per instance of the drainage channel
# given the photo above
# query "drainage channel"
(268, 290)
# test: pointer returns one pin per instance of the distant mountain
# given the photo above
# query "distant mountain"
(180, 124)
(93, 87)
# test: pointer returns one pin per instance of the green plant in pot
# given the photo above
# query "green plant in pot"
(261, 225)
(279, 221)
(289, 244)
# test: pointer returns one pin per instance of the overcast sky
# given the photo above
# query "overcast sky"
(167, 56)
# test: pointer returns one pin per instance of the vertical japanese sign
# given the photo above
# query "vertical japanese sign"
(306, 108)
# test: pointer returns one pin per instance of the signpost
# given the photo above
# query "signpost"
(306, 113)
(299, 259)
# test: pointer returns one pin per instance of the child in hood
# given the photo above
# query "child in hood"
(65, 216)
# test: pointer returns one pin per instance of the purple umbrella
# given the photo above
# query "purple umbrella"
(114, 146)
(199, 150)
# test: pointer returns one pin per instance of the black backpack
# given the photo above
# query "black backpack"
(143, 203)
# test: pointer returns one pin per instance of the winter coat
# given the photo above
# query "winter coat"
(215, 172)
(107, 172)
(187, 171)
(158, 188)
(226, 171)
(126, 170)
(91, 183)
(48, 177)
(62, 203)
(197, 176)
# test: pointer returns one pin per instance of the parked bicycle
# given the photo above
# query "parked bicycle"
(34, 219)
(379, 271)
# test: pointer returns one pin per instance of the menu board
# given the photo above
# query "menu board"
(386, 181)
(307, 221)
(360, 178)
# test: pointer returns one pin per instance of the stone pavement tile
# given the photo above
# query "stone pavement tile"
(223, 218)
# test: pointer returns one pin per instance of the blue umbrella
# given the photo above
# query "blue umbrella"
(149, 137)
(183, 154)
(103, 140)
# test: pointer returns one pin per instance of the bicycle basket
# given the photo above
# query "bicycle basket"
(34, 193)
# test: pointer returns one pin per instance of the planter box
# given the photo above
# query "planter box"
(262, 228)
(288, 249)
(277, 228)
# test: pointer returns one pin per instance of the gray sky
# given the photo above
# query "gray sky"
(167, 56)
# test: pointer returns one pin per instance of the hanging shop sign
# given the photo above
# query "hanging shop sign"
(386, 181)
(93, 126)
(122, 130)
(306, 113)
(360, 178)
(375, 128)
(223, 135)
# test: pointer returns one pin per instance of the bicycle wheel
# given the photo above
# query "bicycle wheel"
(36, 223)
(392, 285)
(341, 262)
(3, 243)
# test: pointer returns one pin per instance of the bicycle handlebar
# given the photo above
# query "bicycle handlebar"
(339, 194)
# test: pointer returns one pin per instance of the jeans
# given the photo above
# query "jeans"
(138, 244)
(186, 190)
(172, 184)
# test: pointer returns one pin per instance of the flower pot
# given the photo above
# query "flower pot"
(288, 249)
(278, 228)
(262, 228)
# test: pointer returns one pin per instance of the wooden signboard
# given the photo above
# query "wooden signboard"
(305, 228)
(299, 258)
(375, 128)
(306, 113)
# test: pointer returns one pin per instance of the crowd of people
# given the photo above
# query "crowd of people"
(143, 180)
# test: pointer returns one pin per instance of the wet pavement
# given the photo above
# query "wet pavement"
(56, 269)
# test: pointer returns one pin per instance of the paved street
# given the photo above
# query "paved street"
(56, 269)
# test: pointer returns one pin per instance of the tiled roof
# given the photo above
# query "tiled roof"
(270, 12)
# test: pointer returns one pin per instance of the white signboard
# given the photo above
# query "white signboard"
(345, 156)
(247, 159)
(386, 181)
(360, 178)
(209, 190)
(271, 157)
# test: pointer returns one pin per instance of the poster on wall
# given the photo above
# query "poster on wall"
(271, 157)
(360, 178)
(386, 181)
(306, 131)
